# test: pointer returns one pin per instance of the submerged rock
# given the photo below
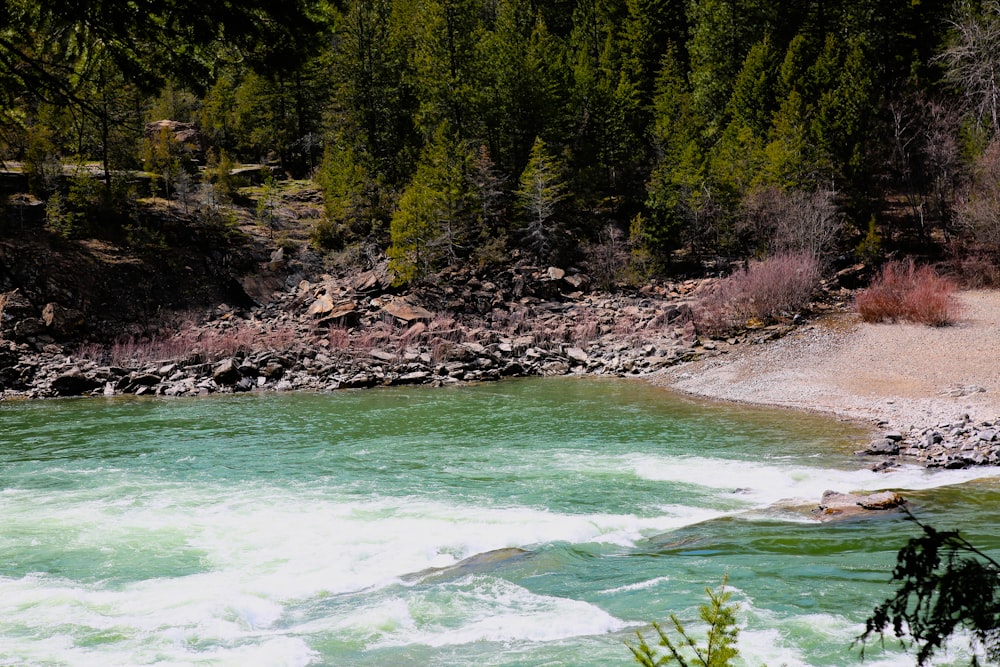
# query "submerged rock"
(479, 563)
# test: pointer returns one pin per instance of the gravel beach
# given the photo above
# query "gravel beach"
(900, 376)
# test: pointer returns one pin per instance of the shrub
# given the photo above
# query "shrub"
(904, 291)
(760, 292)
(607, 260)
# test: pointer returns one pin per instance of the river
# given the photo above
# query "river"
(325, 529)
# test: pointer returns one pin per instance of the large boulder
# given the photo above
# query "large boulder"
(185, 134)
(403, 310)
(836, 506)
(14, 309)
(75, 383)
(227, 372)
(61, 321)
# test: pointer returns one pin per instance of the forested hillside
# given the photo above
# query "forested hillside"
(621, 133)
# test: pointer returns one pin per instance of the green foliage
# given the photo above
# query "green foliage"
(433, 221)
(58, 219)
(945, 585)
(219, 173)
(164, 156)
(41, 161)
(540, 197)
(640, 261)
(870, 248)
(678, 111)
(349, 197)
(719, 649)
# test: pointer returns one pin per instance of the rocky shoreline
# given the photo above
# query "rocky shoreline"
(354, 332)
(958, 444)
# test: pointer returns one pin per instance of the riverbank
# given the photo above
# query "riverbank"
(933, 392)
(923, 386)
(353, 331)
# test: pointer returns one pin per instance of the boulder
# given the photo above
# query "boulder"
(15, 308)
(343, 313)
(321, 306)
(416, 377)
(837, 506)
(186, 134)
(61, 321)
(28, 327)
(244, 384)
(484, 562)
(885, 446)
(272, 371)
(403, 310)
(382, 355)
(227, 372)
(74, 383)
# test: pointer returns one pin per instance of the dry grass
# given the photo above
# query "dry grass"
(238, 339)
(904, 291)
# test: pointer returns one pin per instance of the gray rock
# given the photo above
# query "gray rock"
(883, 447)
(556, 367)
(382, 355)
(61, 321)
(244, 384)
(28, 327)
(838, 506)
(146, 379)
(407, 312)
(272, 371)
(227, 372)
(416, 377)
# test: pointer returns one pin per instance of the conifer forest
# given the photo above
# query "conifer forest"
(480, 132)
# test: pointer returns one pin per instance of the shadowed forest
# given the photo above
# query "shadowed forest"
(630, 135)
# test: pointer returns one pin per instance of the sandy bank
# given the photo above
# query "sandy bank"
(903, 374)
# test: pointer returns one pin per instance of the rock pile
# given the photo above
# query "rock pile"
(958, 444)
(355, 332)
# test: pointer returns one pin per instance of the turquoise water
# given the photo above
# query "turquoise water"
(302, 529)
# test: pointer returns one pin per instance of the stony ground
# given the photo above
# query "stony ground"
(934, 391)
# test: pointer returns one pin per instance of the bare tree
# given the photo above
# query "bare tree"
(791, 221)
(973, 60)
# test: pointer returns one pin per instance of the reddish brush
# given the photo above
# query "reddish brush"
(903, 291)
(762, 291)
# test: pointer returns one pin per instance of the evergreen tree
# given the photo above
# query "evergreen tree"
(446, 73)
(719, 648)
(436, 212)
(677, 188)
(540, 195)
(350, 197)
(373, 101)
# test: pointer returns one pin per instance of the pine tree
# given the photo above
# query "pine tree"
(540, 196)
(436, 212)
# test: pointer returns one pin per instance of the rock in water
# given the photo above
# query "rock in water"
(478, 563)
(836, 505)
